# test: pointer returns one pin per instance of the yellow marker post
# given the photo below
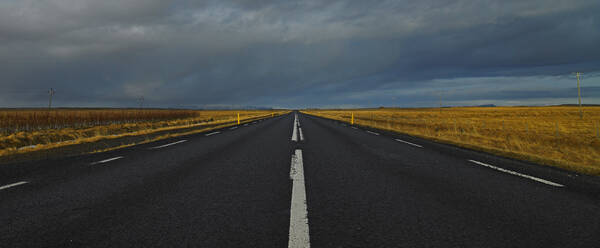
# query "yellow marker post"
(352, 121)
(238, 118)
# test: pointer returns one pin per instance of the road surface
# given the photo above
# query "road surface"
(295, 181)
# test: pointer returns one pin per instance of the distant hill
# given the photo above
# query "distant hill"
(584, 105)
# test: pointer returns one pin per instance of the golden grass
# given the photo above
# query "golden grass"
(17, 120)
(72, 126)
(554, 136)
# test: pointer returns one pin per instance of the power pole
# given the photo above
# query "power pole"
(579, 95)
(50, 94)
(440, 102)
(141, 102)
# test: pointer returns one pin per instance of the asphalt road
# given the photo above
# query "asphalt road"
(281, 182)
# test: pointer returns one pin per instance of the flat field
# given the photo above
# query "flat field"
(23, 130)
(555, 136)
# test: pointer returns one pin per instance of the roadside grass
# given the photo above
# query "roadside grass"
(554, 136)
(52, 134)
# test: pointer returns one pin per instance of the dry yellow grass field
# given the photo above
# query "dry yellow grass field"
(34, 129)
(555, 136)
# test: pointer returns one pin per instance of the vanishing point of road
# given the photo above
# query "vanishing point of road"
(296, 181)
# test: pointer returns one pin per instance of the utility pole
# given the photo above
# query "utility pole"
(50, 94)
(440, 102)
(579, 95)
(141, 102)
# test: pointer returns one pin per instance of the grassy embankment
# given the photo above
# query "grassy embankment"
(24, 130)
(555, 136)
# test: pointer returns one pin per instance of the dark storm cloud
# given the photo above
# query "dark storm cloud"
(295, 54)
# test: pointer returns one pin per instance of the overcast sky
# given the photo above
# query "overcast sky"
(297, 54)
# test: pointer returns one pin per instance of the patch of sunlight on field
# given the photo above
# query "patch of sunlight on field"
(554, 136)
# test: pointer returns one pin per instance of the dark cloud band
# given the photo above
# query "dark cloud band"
(293, 53)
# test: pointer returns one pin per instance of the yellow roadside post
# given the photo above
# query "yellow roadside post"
(352, 121)
(238, 118)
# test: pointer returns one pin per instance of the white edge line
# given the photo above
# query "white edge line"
(170, 144)
(107, 160)
(355, 127)
(518, 174)
(213, 133)
(233, 128)
(412, 144)
(372, 132)
(301, 134)
(13, 185)
(298, 232)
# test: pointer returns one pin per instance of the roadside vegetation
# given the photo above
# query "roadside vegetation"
(555, 136)
(23, 130)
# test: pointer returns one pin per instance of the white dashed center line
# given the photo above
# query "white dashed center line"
(518, 174)
(354, 127)
(298, 236)
(233, 128)
(170, 144)
(295, 129)
(107, 160)
(12, 185)
(406, 142)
